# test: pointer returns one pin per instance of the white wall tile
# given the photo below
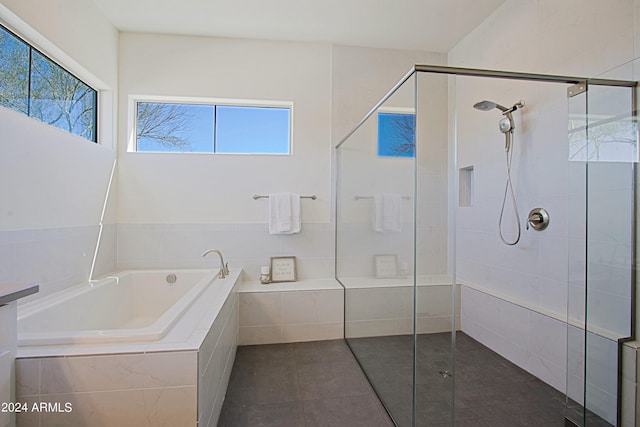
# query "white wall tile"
(260, 309)
(372, 328)
(215, 358)
(54, 258)
(552, 294)
(143, 407)
(514, 324)
(118, 372)
(247, 246)
(274, 317)
(435, 324)
(378, 303)
(547, 371)
(547, 338)
(250, 335)
(29, 419)
(312, 307)
(628, 404)
(312, 332)
(27, 377)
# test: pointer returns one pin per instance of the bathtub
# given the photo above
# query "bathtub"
(131, 349)
(132, 306)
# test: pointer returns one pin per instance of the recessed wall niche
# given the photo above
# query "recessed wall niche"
(465, 187)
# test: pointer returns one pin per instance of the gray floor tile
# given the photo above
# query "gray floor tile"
(260, 387)
(321, 384)
(354, 411)
(328, 380)
(489, 389)
(272, 415)
(321, 352)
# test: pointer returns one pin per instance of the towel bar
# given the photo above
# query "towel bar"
(258, 196)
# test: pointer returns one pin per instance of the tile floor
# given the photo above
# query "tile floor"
(320, 384)
(300, 385)
(490, 391)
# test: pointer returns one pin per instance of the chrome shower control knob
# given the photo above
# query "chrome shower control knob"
(538, 219)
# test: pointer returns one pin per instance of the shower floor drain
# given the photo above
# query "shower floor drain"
(445, 374)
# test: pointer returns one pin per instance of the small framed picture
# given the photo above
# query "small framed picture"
(283, 269)
(386, 266)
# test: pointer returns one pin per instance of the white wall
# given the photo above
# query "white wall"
(52, 184)
(174, 189)
(542, 36)
(161, 223)
(361, 77)
(171, 207)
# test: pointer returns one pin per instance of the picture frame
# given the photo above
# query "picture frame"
(283, 269)
(386, 265)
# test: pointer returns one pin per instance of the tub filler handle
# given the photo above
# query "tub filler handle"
(224, 267)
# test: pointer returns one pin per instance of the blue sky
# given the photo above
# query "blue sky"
(391, 136)
(239, 130)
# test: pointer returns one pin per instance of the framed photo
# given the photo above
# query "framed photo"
(386, 266)
(283, 269)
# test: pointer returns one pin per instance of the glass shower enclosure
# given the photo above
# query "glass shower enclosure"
(449, 324)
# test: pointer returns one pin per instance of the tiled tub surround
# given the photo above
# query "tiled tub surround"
(9, 296)
(378, 307)
(179, 379)
(55, 258)
(246, 245)
(307, 310)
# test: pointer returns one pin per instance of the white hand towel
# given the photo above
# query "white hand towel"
(387, 212)
(284, 213)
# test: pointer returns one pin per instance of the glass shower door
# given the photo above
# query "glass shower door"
(392, 251)
(602, 156)
(436, 298)
(375, 248)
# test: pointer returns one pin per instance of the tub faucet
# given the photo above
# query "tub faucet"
(224, 268)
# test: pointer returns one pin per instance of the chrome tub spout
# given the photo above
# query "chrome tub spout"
(224, 268)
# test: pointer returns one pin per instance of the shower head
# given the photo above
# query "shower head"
(506, 124)
(488, 105)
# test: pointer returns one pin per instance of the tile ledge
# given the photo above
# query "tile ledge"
(301, 285)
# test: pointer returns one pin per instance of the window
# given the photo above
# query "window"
(212, 128)
(396, 134)
(34, 85)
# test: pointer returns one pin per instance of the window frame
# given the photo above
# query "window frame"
(97, 93)
(132, 119)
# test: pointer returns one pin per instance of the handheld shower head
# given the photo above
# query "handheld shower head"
(506, 124)
(488, 105)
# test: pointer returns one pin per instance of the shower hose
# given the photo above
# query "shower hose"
(508, 189)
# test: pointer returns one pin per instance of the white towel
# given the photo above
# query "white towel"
(387, 212)
(284, 213)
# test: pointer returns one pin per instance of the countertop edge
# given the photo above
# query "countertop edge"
(10, 293)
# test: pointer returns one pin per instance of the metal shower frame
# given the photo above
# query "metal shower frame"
(477, 72)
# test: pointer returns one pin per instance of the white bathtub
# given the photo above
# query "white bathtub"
(131, 350)
(132, 306)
